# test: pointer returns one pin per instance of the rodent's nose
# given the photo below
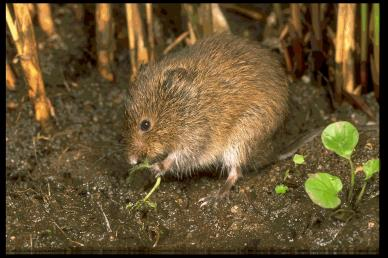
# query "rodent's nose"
(133, 160)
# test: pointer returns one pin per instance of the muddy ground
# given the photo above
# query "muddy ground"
(67, 191)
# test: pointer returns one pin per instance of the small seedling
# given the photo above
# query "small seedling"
(370, 168)
(145, 200)
(298, 159)
(341, 138)
(281, 189)
(323, 188)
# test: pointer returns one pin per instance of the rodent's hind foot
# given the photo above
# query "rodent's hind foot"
(214, 198)
(223, 193)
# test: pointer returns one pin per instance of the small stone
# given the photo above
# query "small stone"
(234, 209)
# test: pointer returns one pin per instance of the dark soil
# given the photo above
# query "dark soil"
(67, 191)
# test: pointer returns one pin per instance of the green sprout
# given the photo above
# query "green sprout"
(323, 188)
(298, 159)
(370, 168)
(281, 189)
(341, 138)
(145, 200)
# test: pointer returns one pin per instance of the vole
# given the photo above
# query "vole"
(218, 102)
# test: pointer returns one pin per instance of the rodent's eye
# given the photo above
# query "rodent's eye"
(145, 125)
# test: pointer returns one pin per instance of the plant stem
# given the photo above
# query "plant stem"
(153, 189)
(361, 193)
(352, 171)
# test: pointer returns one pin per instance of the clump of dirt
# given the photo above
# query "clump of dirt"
(68, 191)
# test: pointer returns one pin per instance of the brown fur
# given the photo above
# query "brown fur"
(217, 102)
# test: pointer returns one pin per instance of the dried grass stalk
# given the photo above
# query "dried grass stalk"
(349, 49)
(244, 11)
(206, 19)
(341, 19)
(131, 39)
(191, 13)
(45, 19)
(364, 45)
(295, 19)
(150, 30)
(105, 40)
(24, 39)
(176, 42)
(220, 24)
(142, 52)
(10, 77)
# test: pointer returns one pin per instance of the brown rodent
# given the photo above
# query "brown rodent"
(218, 102)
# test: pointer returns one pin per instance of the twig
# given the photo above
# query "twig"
(131, 39)
(10, 77)
(150, 29)
(142, 53)
(45, 19)
(176, 42)
(106, 219)
(244, 11)
(68, 238)
(104, 38)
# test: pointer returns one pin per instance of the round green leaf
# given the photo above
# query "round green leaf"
(281, 189)
(298, 159)
(340, 137)
(323, 188)
(371, 167)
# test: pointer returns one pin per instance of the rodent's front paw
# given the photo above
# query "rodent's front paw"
(157, 170)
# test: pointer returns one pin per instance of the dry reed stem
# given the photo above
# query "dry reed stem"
(150, 29)
(244, 11)
(341, 19)
(31, 8)
(349, 49)
(316, 24)
(131, 39)
(193, 22)
(295, 19)
(142, 52)
(26, 46)
(286, 54)
(45, 19)
(364, 45)
(176, 42)
(192, 39)
(206, 19)
(105, 40)
(220, 24)
(10, 77)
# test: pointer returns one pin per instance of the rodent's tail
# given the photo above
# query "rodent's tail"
(299, 142)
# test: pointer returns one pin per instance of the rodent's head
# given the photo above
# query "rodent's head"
(156, 112)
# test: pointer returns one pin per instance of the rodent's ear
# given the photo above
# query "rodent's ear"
(175, 75)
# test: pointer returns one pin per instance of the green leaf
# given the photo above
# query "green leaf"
(340, 137)
(298, 159)
(281, 189)
(323, 188)
(371, 167)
